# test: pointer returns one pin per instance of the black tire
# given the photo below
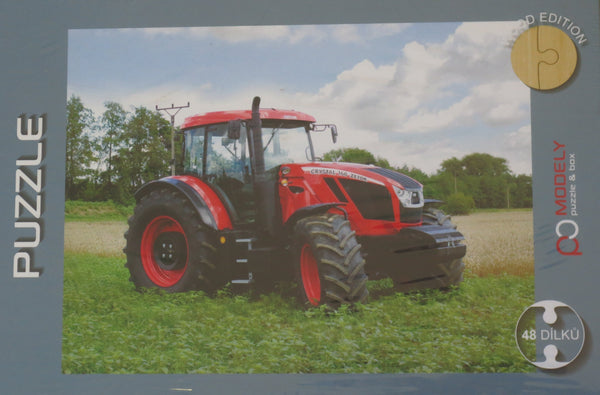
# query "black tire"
(457, 269)
(328, 263)
(435, 216)
(169, 247)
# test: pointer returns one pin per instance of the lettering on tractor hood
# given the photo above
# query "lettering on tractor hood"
(339, 173)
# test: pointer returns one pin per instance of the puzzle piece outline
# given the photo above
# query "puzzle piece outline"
(551, 351)
(544, 57)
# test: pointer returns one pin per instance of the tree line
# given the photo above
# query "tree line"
(477, 180)
(109, 156)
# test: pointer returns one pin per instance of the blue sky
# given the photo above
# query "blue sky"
(415, 94)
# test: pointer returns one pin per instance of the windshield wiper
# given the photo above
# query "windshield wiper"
(275, 130)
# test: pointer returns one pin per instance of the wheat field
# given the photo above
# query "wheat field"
(100, 238)
(497, 242)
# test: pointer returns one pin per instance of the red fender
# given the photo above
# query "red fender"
(200, 194)
(214, 203)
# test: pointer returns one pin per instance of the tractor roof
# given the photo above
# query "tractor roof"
(225, 116)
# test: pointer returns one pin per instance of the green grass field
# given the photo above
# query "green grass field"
(108, 327)
(96, 211)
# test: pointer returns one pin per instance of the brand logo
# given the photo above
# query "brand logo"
(326, 171)
(550, 334)
(544, 57)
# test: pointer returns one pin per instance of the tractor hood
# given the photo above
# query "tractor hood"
(365, 173)
(378, 200)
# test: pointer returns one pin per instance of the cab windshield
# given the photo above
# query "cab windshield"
(284, 144)
(209, 153)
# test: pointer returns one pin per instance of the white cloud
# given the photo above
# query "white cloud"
(399, 110)
(496, 103)
(519, 139)
(515, 146)
(386, 29)
(346, 33)
(343, 33)
(306, 33)
(427, 121)
(417, 94)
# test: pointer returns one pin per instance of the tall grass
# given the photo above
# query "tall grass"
(76, 210)
(110, 328)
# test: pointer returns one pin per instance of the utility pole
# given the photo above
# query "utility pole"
(172, 111)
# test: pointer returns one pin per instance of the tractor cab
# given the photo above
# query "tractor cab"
(239, 161)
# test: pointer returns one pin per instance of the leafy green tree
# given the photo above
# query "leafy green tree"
(80, 146)
(382, 162)
(459, 204)
(485, 178)
(356, 155)
(144, 154)
(492, 192)
(454, 167)
(413, 172)
(112, 121)
(521, 194)
(352, 155)
(479, 164)
(430, 190)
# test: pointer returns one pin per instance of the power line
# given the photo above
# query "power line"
(172, 111)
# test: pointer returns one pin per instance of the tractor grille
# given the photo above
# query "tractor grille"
(335, 189)
(373, 201)
(410, 215)
(404, 180)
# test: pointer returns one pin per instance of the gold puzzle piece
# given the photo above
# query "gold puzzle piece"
(544, 57)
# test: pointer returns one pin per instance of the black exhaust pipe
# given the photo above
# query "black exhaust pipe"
(258, 160)
(263, 191)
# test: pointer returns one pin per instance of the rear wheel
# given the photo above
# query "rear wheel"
(329, 265)
(169, 247)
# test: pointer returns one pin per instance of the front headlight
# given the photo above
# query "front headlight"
(410, 198)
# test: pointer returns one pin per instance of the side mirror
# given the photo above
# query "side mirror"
(323, 127)
(334, 133)
(234, 129)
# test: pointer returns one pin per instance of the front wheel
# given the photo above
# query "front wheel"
(328, 263)
(435, 216)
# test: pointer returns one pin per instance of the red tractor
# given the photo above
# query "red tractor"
(254, 206)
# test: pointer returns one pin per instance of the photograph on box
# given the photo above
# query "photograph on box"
(297, 199)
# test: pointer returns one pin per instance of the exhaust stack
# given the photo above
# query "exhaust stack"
(264, 216)
(258, 160)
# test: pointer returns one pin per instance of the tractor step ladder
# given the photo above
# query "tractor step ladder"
(244, 261)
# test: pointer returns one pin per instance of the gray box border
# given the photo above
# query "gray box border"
(33, 67)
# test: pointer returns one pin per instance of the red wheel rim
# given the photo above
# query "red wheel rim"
(310, 275)
(155, 244)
